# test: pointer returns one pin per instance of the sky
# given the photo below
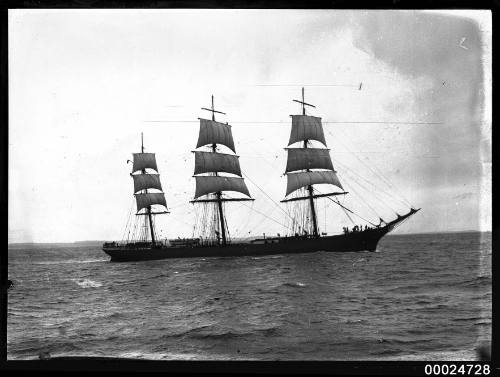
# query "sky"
(84, 84)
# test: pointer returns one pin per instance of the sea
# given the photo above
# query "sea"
(418, 297)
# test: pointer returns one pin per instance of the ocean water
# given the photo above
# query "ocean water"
(419, 297)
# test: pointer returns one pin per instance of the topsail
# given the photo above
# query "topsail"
(144, 161)
(146, 181)
(305, 127)
(212, 132)
(213, 162)
(308, 158)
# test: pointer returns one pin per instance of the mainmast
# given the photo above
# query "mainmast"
(213, 133)
(145, 181)
(218, 194)
(306, 128)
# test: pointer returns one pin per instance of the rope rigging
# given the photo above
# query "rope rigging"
(379, 174)
(263, 214)
(354, 213)
(274, 202)
(372, 192)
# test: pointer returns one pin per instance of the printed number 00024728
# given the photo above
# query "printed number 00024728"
(457, 369)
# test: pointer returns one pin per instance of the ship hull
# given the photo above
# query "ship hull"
(351, 242)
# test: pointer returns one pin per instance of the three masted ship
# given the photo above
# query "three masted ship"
(216, 173)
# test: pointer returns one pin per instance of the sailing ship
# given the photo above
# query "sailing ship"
(306, 167)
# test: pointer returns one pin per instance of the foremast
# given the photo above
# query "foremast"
(300, 161)
(143, 183)
(213, 185)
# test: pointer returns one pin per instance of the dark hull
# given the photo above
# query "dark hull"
(366, 240)
(360, 241)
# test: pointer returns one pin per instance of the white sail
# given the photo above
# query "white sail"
(146, 181)
(211, 184)
(208, 162)
(306, 127)
(308, 158)
(296, 181)
(212, 132)
(149, 199)
(144, 161)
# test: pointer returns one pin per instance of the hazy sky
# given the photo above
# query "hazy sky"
(83, 84)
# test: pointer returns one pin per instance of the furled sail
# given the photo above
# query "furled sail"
(211, 184)
(296, 181)
(212, 132)
(208, 162)
(146, 181)
(144, 161)
(308, 158)
(306, 127)
(148, 199)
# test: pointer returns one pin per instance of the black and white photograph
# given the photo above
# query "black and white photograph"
(249, 184)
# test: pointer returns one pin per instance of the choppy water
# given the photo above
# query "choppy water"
(419, 297)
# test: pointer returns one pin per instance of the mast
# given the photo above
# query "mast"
(218, 194)
(300, 161)
(211, 134)
(143, 182)
(309, 187)
(151, 228)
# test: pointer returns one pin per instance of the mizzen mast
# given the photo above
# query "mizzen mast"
(145, 181)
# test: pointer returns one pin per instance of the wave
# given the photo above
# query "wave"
(87, 283)
(178, 356)
(218, 336)
(294, 285)
(72, 261)
(468, 319)
(352, 321)
(478, 281)
(386, 352)
(460, 355)
(484, 323)
(208, 332)
(268, 257)
(403, 342)
(50, 347)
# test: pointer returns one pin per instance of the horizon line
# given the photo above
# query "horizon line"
(388, 235)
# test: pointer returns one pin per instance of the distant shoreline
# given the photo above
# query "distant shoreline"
(97, 242)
